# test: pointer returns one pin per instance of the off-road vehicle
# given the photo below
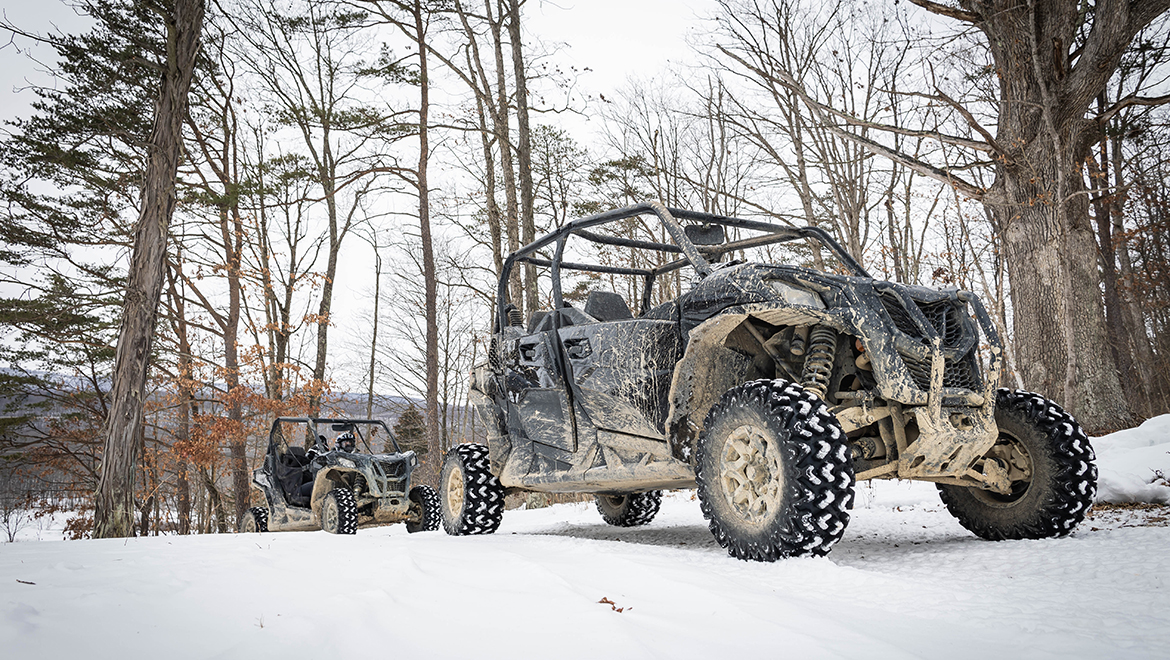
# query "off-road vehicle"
(339, 489)
(770, 388)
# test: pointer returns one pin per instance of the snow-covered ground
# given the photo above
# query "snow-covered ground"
(1134, 464)
(906, 582)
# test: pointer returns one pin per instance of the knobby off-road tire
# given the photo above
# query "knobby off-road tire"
(775, 478)
(1063, 480)
(471, 496)
(629, 510)
(254, 520)
(339, 512)
(428, 502)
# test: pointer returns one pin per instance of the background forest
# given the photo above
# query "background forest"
(351, 175)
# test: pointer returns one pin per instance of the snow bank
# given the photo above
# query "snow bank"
(1129, 463)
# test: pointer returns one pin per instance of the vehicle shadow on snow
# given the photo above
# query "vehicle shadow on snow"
(679, 536)
(858, 548)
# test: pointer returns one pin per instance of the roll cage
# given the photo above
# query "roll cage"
(336, 424)
(689, 253)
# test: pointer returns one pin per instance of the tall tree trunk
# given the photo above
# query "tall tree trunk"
(507, 164)
(325, 309)
(374, 331)
(1144, 359)
(424, 219)
(523, 153)
(1121, 347)
(114, 501)
(232, 233)
(1039, 199)
(186, 395)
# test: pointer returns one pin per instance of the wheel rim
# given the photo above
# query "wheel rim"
(1014, 455)
(250, 523)
(454, 489)
(614, 502)
(329, 514)
(750, 474)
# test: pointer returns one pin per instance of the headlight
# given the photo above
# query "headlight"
(795, 296)
(345, 462)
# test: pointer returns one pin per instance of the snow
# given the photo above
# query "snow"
(1129, 463)
(906, 582)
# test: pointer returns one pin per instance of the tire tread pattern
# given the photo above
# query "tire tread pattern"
(821, 464)
(428, 500)
(1074, 484)
(483, 496)
(260, 515)
(347, 515)
(637, 509)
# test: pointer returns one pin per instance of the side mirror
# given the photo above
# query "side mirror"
(705, 234)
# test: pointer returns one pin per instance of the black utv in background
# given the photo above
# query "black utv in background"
(769, 387)
(337, 489)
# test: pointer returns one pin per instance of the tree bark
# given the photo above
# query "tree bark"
(114, 500)
(507, 164)
(523, 153)
(1040, 202)
(424, 219)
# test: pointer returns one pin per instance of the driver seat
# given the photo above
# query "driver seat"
(294, 473)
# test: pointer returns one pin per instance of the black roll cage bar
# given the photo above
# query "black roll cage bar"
(690, 253)
(312, 423)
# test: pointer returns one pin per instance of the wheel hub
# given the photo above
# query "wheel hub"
(454, 488)
(750, 474)
(329, 514)
(1010, 453)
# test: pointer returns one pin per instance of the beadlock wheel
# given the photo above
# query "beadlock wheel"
(774, 476)
(339, 512)
(472, 498)
(750, 474)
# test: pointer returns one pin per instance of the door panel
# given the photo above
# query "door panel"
(622, 371)
(536, 391)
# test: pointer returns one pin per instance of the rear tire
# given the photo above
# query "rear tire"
(1063, 481)
(254, 520)
(471, 496)
(429, 510)
(775, 478)
(339, 512)
(629, 510)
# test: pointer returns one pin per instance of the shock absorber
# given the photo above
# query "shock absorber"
(818, 363)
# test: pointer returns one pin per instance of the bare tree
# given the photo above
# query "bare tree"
(114, 502)
(1051, 62)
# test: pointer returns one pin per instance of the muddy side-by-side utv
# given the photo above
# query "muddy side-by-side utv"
(337, 489)
(768, 387)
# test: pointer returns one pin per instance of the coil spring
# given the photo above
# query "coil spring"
(818, 365)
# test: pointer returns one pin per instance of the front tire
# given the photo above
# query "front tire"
(775, 478)
(339, 512)
(429, 510)
(471, 496)
(254, 520)
(1043, 442)
(629, 510)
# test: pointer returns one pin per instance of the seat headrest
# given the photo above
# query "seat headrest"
(607, 306)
